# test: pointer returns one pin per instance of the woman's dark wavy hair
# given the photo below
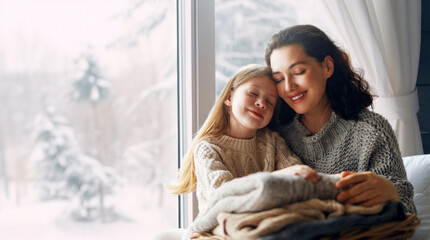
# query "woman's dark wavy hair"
(346, 90)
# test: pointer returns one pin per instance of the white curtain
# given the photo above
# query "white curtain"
(383, 38)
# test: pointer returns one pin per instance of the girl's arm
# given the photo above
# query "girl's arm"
(303, 171)
(284, 157)
(210, 170)
(287, 163)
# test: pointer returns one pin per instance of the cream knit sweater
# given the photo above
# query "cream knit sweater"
(219, 160)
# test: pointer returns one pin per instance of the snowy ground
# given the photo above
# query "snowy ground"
(35, 220)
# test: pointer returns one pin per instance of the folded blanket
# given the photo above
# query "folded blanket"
(253, 225)
(262, 191)
(393, 211)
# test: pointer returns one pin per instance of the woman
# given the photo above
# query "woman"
(325, 120)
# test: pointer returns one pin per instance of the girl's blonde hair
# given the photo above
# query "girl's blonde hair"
(215, 125)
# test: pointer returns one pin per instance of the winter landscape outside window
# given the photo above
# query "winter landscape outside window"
(243, 28)
(88, 119)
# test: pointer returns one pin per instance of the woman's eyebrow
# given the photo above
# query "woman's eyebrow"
(296, 63)
(291, 66)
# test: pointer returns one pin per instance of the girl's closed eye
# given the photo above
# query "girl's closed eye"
(253, 93)
(270, 99)
(278, 79)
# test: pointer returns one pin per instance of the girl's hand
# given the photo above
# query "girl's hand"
(365, 189)
(303, 171)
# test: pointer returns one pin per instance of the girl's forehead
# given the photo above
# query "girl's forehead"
(263, 82)
(256, 81)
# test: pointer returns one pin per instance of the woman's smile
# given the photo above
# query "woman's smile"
(298, 97)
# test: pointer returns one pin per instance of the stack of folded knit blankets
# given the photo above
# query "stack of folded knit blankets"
(267, 207)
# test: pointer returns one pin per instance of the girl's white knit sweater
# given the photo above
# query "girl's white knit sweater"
(219, 160)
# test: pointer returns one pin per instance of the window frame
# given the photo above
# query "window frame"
(196, 82)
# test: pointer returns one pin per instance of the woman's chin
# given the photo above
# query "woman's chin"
(299, 110)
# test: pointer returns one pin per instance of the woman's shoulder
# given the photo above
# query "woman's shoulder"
(372, 120)
(374, 125)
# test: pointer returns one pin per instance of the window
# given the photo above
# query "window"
(88, 123)
(226, 34)
(196, 80)
(250, 26)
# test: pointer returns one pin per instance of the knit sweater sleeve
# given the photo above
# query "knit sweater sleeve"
(385, 159)
(284, 157)
(210, 170)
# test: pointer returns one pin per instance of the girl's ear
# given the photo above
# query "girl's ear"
(227, 101)
(329, 65)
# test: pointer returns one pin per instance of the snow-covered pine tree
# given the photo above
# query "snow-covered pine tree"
(87, 176)
(55, 150)
(92, 88)
(89, 86)
(64, 172)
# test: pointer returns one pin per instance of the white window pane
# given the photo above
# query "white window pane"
(88, 123)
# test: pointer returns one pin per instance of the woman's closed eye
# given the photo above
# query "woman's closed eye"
(299, 71)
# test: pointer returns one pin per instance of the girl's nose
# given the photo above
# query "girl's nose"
(260, 103)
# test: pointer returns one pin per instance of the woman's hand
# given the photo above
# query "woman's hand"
(365, 189)
(303, 171)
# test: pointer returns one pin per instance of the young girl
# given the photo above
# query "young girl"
(233, 142)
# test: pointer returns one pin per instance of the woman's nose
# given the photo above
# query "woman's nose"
(288, 85)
